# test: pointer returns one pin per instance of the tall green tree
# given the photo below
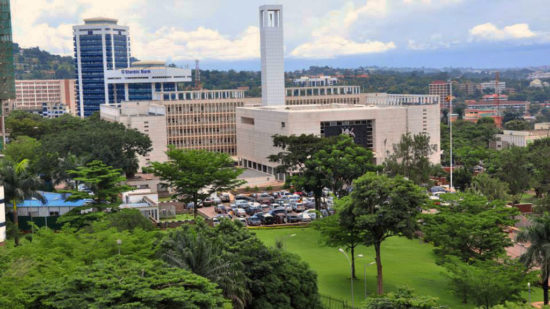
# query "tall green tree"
(341, 161)
(341, 230)
(468, 226)
(411, 158)
(538, 252)
(19, 184)
(196, 174)
(487, 283)
(538, 153)
(104, 182)
(23, 147)
(491, 188)
(514, 168)
(187, 249)
(295, 151)
(385, 207)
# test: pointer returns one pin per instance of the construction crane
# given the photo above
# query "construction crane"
(197, 75)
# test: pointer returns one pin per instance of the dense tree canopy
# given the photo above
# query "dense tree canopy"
(90, 138)
(470, 227)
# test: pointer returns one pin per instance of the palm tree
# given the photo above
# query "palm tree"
(538, 253)
(188, 250)
(19, 184)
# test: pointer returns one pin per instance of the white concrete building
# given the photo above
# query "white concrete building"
(272, 54)
(377, 127)
(315, 81)
(510, 138)
(148, 118)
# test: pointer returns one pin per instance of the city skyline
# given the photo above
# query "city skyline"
(225, 35)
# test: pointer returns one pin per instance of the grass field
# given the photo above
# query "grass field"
(405, 263)
(179, 217)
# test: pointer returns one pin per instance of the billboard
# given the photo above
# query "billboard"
(360, 130)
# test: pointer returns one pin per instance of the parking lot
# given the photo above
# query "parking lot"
(265, 208)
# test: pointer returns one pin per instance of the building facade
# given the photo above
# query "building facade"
(33, 94)
(316, 81)
(2, 217)
(144, 81)
(148, 118)
(99, 45)
(497, 87)
(272, 55)
(375, 127)
(442, 89)
(323, 95)
(7, 86)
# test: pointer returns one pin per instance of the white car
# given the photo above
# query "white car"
(308, 215)
(240, 212)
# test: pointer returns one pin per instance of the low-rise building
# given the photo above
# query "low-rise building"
(148, 118)
(493, 85)
(315, 81)
(377, 127)
(32, 94)
(511, 138)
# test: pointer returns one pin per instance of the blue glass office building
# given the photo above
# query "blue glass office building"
(99, 45)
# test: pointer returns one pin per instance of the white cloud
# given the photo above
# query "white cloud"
(201, 43)
(331, 37)
(329, 47)
(488, 31)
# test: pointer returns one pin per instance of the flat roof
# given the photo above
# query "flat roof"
(318, 107)
(100, 20)
(53, 200)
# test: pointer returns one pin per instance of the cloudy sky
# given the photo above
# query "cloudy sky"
(224, 34)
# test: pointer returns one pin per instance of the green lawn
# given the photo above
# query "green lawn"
(179, 217)
(405, 263)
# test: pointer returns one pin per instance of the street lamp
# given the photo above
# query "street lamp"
(365, 272)
(351, 275)
(529, 286)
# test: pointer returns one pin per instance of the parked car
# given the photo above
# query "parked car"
(298, 207)
(225, 198)
(309, 215)
(240, 212)
(240, 203)
(278, 210)
(216, 220)
(254, 220)
(293, 218)
(208, 201)
(253, 209)
(220, 209)
(265, 198)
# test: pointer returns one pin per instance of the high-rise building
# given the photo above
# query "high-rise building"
(32, 94)
(271, 47)
(99, 45)
(442, 89)
(7, 84)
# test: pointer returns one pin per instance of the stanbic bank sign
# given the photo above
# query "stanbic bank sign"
(135, 71)
(151, 75)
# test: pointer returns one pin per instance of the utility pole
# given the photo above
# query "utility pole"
(451, 133)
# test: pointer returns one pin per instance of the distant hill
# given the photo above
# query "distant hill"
(34, 63)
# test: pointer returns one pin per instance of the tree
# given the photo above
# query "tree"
(537, 154)
(341, 230)
(196, 174)
(19, 184)
(23, 147)
(513, 167)
(468, 226)
(538, 254)
(385, 207)
(518, 125)
(341, 161)
(295, 150)
(411, 158)
(187, 249)
(126, 282)
(487, 283)
(103, 181)
(491, 188)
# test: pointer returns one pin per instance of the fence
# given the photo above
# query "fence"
(335, 303)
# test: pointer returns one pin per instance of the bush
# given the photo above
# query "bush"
(404, 298)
